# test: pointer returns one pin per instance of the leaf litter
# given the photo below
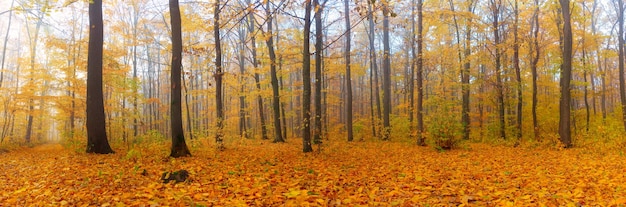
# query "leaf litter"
(256, 173)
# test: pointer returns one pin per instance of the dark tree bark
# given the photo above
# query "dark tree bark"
(566, 77)
(535, 52)
(179, 147)
(585, 72)
(96, 125)
(317, 133)
(386, 72)
(257, 79)
(373, 69)
(306, 80)
(495, 9)
(278, 135)
(219, 101)
(518, 76)
(348, 73)
(281, 81)
(464, 63)
(412, 69)
(620, 43)
(420, 76)
(242, 69)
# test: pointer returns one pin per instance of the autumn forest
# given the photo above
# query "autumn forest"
(312, 102)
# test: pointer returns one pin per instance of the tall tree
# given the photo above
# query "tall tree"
(566, 76)
(179, 147)
(257, 78)
(518, 76)
(374, 89)
(620, 45)
(135, 86)
(34, 39)
(306, 80)
(348, 72)
(420, 75)
(386, 72)
(319, 35)
(242, 72)
(278, 135)
(219, 135)
(412, 68)
(533, 66)
(495, 9)
(96, 124)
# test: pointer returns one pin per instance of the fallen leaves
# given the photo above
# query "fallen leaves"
(254, 173)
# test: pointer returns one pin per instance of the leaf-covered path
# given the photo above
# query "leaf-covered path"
(254, 173)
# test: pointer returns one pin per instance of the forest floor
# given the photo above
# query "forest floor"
(259, 173)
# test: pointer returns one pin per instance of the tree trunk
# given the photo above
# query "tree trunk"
(499, 85)
(279, 63)
(386, 73)
(306, 80)
(420, 75)
(242, 70)
(317, 133)
(135, 80)
(411, 73)
(257, 79)
(219, 101)
(533, 66)
(374, 67)
(179, 147)
(566, 76)
(620, 39)
(96, 125)
(518, 75)
(348, 73)
(278, 135)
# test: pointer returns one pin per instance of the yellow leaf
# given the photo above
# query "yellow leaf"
(292, 194)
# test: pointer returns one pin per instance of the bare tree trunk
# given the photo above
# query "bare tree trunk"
(386, 73)
(219, 101)
(374, 67)
(566, 76)
(533, 66)
(317, 133)
(348, 72)
(242, 69)
(135, 80)
(280, 81)
(495, 6)
(189, 123)
(251, 23)
(96, 133)
(620, 39)
(278, 135)
(306, 80)
(179, 147)
(518, 76)
(411, 73)
(420, 75)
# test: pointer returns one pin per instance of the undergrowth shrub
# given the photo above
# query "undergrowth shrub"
(444, 128)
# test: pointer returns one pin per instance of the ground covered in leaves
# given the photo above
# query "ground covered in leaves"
(258, 173)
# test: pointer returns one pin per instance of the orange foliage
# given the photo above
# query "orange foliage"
(256, 173)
